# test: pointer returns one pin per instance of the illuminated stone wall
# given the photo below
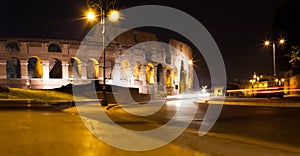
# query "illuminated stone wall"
(132, 60)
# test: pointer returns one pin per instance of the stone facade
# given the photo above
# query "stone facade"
(134, 59)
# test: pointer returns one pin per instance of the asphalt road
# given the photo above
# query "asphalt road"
(239, 131)
(273, 124)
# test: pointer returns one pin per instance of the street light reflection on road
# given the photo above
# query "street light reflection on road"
(191, 95)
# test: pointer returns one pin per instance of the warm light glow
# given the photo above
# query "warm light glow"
(282, 41)
(282, 80)
(267, 43)
(90, 15)
(113, 15)
(150, 73)
(27, 83)
(190, 62)
(252, 80)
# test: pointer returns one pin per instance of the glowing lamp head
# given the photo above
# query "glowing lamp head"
(28, 83)
(114, 15)
(267, 43)
(91, 15)
(281, 41)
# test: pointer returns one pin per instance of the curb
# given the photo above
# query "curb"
(31, 103)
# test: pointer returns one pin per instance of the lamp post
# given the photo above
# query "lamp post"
(268, 43)
(252, 87)
(28, 82)
(106, 8)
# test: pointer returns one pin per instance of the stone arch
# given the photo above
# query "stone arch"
(54, 47)
(12, 46)
(13, 68)
(137, 70)
(35, 67)
(92, 70)
(168, 77)
(125, 69)
(149, 73)
(74, 67)
(55, 68)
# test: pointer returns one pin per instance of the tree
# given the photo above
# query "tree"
(287, 25)
(294, 59)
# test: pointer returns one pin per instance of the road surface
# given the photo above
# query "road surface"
(239, 131)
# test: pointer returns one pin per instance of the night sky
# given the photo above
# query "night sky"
(238, 27)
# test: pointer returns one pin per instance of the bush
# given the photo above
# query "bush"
(4, 89)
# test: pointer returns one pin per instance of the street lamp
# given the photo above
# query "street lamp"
(28, 82)
(106, 9)
(268, 43)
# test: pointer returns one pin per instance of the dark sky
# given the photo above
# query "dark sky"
(238, 26)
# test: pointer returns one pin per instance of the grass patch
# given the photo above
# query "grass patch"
(3, 95)
(37, 95)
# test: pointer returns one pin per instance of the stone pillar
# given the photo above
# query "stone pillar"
(65, 70)
(83, 71)
(190, 76)
(143, 88)
(116, 72)
(45, 69)
(3, 69)
(154, 76)
(143, 74)
(24, 69)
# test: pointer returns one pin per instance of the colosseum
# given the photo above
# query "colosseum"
(52, 63)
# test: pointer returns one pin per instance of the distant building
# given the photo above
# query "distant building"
(259, 86)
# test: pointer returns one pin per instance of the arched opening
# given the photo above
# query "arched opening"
(92, 70)
(74, 68)
(168, 77)
(54, 48)
(137, 70)
(13, 68)
(35, 67)
(160, 74)
(55, 68)
(149, 73)
(12, 46)
(125, 69)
